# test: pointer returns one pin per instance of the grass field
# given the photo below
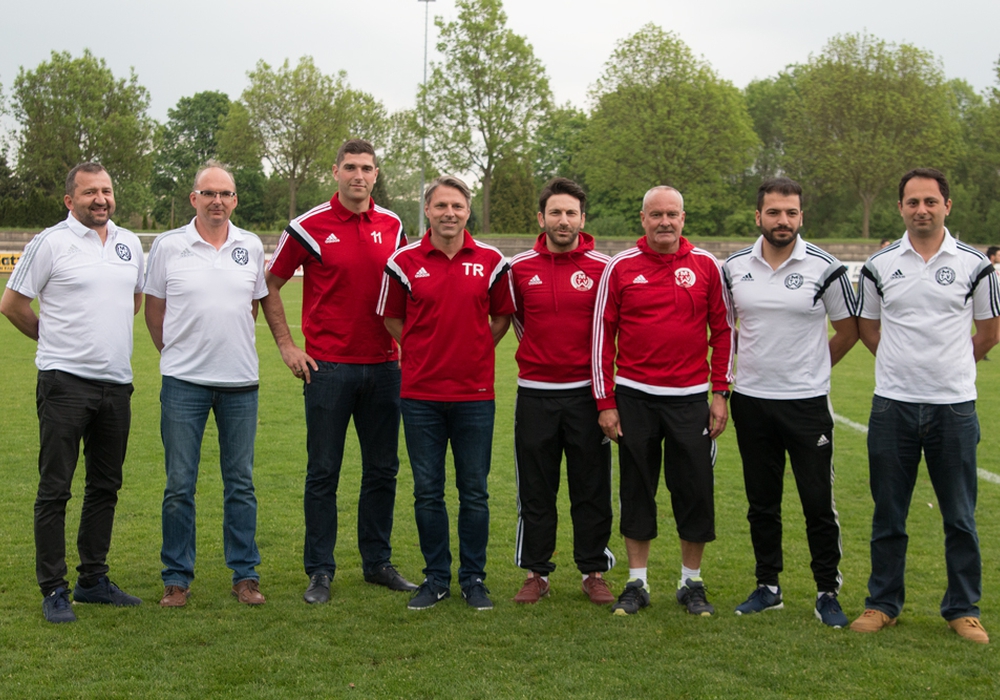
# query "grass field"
(365, 643)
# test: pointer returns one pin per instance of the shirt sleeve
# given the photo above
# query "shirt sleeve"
(519, 304)
(156, 272)
(33, 268)
(869, 304)
(837, 293)
(502, 292)
(603, 345)
(260, 285)
(720, 324)
(287, 257)
(392, 294)
(986, 294)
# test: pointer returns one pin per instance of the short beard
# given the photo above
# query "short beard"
(769, 236)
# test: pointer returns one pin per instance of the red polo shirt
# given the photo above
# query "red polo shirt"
(342, 255)
(446, 305)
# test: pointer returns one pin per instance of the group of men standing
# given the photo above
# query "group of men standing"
(638, 349)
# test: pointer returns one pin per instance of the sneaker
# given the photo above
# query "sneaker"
(760, 600)
(104, 592)
(427, 596)
(970, 628)
(872, 620)
(597, 590)
(692, 594)
(56, 606)
(632, 600)
(476, 594)
(390, 578)
(829, 612)
(318, 590)
(534, 589)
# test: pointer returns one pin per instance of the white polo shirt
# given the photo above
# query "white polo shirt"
(925, 351)
(208, 331)
(86, 302)
(783, 349)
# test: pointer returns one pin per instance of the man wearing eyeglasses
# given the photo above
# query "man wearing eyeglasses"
(203, 285)
(350, 365)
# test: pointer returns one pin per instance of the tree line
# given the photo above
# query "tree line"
(846, 123)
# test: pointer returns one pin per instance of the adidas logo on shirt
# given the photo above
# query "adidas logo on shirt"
(535, 280)
(186, 253)
(897, 275)
(640, 280)
(332, 238)
(823, 440)
(422, 273)
(746, 278)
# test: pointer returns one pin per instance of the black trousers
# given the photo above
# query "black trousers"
(547, 424)
(71, 409)
(765, 430)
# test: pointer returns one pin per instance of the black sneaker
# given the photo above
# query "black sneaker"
(104, 592)
(633, 598)
(759, 600)
(390, 578)
(829, 612)
(318, 590)
(428, 595)
(476, 594)
(692, 594)
(56, 606)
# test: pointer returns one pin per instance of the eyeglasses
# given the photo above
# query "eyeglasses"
(211, 194)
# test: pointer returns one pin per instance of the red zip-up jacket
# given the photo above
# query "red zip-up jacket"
(555, 295)
(656, 318)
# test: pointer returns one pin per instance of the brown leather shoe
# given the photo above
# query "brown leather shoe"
(534, 589)
(174, 597)
(872, 621)
(248, 592)
(970, 628)
(597, 590)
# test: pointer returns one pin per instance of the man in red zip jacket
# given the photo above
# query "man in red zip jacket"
(555, 287)
(654, 304)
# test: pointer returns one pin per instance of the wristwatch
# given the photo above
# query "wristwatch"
(724, 394)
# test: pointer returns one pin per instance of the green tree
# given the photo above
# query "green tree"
(487, 95)
(296, 118)
(187, 141)
(74, 109)
(557, 144)
(663, 117)
(515, 198)
(865, 112)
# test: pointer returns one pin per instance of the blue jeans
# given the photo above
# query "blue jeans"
(948, 435)
(468, 425)
(370, 393)
(184, 411)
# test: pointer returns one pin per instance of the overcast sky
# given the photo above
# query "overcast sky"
(182, 47)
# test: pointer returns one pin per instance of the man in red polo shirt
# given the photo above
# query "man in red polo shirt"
(350, 364)
(448, 299)
(555, 287)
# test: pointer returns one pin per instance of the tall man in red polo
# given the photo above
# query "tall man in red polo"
(661, 307)
(350, 365)
(447, 299)
(555, 287)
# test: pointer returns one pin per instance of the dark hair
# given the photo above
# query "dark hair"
(356, 147)
(992, 250)
(81, 168)
(781, 185)
(929, 174)
(562, 185)
(448, 181)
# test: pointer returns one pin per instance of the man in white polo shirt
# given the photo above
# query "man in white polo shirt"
(202, 290)
(87, 275)
(918, 299)
(782, 291)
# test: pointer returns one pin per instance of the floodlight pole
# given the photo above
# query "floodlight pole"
(423, 135)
